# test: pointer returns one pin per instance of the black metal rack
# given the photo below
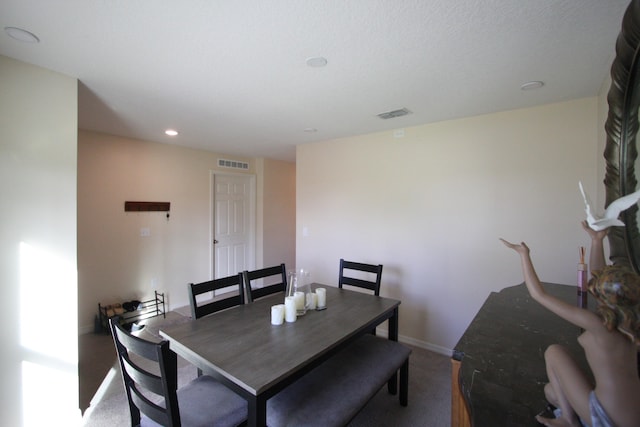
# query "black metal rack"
(144, 310)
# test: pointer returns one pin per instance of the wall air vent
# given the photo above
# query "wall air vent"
(223, 163)
(395, 113)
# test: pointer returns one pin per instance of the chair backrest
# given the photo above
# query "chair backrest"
(348, 279)
(275, 281)
(140, 382)
(215, 303)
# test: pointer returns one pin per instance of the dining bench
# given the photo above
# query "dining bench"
(335, 391)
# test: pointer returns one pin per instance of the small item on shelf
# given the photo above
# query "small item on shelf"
(110, 311)
(132, 305)
(582, 279)
(117, 309)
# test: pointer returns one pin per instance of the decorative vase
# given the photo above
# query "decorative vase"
(299, 288)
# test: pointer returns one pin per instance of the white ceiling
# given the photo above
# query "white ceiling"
(231, 77)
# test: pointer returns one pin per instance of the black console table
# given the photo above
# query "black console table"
(498, 368)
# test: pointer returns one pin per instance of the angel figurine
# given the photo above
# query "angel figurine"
(610, 342)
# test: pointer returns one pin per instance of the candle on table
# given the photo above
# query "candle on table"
(322, 297)
(290, 309)
(312, 299)
(299, 298)
(277, 314)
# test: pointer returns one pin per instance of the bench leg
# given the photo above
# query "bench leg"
(404, 383)
(392, 384)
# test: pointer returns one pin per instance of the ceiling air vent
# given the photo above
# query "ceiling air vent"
(223, 163)
(395, 113)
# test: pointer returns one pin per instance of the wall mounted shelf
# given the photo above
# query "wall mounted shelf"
(147, 206)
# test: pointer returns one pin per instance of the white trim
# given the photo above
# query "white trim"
(383, 332)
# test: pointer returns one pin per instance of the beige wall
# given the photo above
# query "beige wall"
(38, 289)
(430, 207)
(277, 197)
(116, 264)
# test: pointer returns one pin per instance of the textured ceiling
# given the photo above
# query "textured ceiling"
(231, 76)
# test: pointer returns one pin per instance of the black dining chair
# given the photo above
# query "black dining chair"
(358, 280)
(150, 377)
(273, 280)
(202, 307)
(356, 274)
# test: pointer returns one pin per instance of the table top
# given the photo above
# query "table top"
(503, 373)
(241, 345)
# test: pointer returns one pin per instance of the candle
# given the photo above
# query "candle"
(277, 314)
(299, 298)
(312, 299)
(322, 298)
(290, 309)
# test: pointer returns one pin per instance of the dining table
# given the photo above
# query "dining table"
(243, 350)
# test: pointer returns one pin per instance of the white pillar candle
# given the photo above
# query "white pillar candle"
(322, 297)
(277, 314)
(311, 301)
(290, 309)
(299, 297)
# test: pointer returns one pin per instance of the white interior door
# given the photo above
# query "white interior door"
(233, 237)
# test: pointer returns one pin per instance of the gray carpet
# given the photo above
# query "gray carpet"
(429, 389)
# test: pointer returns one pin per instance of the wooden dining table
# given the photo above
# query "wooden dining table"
(242, 349)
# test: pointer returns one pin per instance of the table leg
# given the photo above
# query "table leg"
(392, 385)
(257, 416)
(393, 325)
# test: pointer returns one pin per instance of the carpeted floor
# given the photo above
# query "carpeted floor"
(103, 397)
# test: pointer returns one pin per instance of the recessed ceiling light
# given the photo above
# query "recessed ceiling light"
(532, 85)
(171, 132)
(21, 35)
(316, 61)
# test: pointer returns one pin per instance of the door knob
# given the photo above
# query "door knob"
(215, 241)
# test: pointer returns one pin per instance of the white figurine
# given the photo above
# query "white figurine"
(611, 214)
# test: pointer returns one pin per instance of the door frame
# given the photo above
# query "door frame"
(252, 219)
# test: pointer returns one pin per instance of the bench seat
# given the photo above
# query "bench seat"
(334, 392)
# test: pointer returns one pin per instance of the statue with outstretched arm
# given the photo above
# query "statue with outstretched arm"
(610, 342)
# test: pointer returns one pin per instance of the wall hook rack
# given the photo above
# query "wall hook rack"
(147, 207)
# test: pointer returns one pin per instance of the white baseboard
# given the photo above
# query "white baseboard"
(383, 332)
